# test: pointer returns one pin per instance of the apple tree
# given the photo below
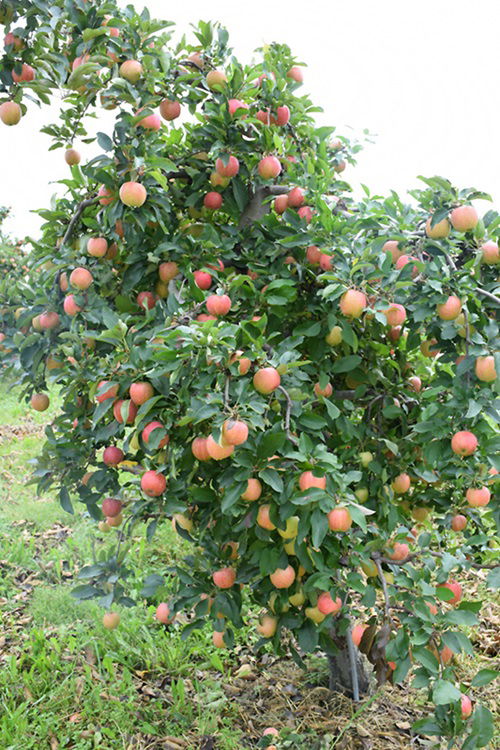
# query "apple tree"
(304, 382)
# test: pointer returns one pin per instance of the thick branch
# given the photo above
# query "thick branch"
(256, 208)
(387, 605)
(76, 216)
(491, 296)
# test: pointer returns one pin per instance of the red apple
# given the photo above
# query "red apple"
(296, 74)
(141, 392)
(153, 483)
(266, 380)
(450, 309)
(228, 169)
(10, 113)
(282, 578)
(234, 432)
(339, 519)
(104, 393)
(149, 429)
(213, 200)
(455, 589)
(199, 449)
(26, 75)
(269, 167)
(352, 303)
(40, 401)
(253, 490)
(169, 109)
(464, 443)
(130, 411)
(224, 578)
(133, 194)
(485, 369)
(111, 507)
(327, 605)
(464, 218)
(218, 304)
(282, 115)
(478, 497)
(131, 70)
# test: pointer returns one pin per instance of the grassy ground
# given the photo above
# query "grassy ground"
(66, 682)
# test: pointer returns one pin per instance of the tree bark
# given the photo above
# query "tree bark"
(340, 670)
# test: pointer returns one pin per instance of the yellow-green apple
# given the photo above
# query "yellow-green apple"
(352, 303)
(297, 599)
(291, 528)
(439, 230)
(111, 620)
(133, 194)
(365, 458)
(334, 336)
(428, 349)
(369, 568)
(313, 613)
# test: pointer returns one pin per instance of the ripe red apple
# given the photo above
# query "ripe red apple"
(282, 115)
(150, 122)
(280, 204)
(269, 167)
(464, 218)
(111, 507)
(439, 230)
(326, 391)
(199, 449)
(253, 490)
(458, 522)
(213, 200)
(131, 70)
(104, 393)
(141, 392)
(403, 261)
(163, 614)
(218, 304)
(234, 104)
(146, 300)
(49, 320)
(296, 197)
(112, 455)
(97, 247)
(357, 634)
(40, 401)
(465, 706)
(217, 451)
(313, 255)
(266, 380)
(392, 247)
(394, 334)
(153, 483)
(450, 309)
(455, 589)
(264, 519)
(169, 109)
(106, 196)
(130, 411)
(111, 620)
(149, 429)
(478, 497)
(72, 157)
(81, 278)
(305, 212)
(202, 279)
(395, 314)
(327, 605)
(228, 169)
(464, 443)
(415, 383)
(352, 303)
(264, 116)
(15, 41)
(10, 113)
(490, 253)
(79, 61)
(326, 262)
(133, 194)
(399, 551)
(485, 369)
(26, 75)
(308, 480)
(282, 578)
(224, 578)
(296, 74)
(234, 432)
(339, 519)
(218, 639)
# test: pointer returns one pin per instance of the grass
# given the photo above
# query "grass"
(66, 682)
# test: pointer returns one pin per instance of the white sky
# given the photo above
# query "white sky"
(422, 75)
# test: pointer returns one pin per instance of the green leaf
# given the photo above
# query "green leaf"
(482, 729)
(460, 617)
(272, 478)
(333, 411)
(445, 692)
(484, 677)
(346, 364)
(319, 526)
(426, 658)
(493, 579)
(307, 636)
(104, 141)
(65, 501)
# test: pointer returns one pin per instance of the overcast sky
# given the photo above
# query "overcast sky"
(421, 75)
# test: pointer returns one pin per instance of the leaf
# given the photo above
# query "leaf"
(307, 637)
(319, 526)
(104, 141)
(333, 411)
(427, 659)
(445, 692)
(151, 585)
(482, 729)
(346, 364)
(272, 478)
(484, 677)
(493, 579)
(85, 591)
(460, 617)
(65, 501)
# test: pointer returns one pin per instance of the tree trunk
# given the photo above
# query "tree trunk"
(340, 670)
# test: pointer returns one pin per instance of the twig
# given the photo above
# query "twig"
(388, 561)
(74, 219)
(491, 296)
(352, 663)
(450, 261)
(289, 405)
(226, 391)
(340, 395)
(380, 572)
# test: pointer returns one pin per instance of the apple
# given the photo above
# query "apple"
(224, 578)
(263, 518)
(490, 253)
(146, 300)
(369, 568)
(395, 314)
(415, 383)
(150, 122)
(217, 451)
(485, 369)
(465, 706)
(280, 204)
(202, 279)
(149, 429)
(455, 589)
(199, 449)
(399, 551)
(228, 169)
(218, 639)
(153, 483)
(334, 336)
(234, 432)
(362, 494)
(114, 521)
(313, 255)
(427, 348)
(253, 490)
(328, 606)
(213, 200)
(296, 74)
(168, 271)
(49, 320)
(130, 411)
(296, 197)
(26, 75)
(141, 392)
(401, 484)
(282, 578)
(352, 303)
(112, 455)
(392, 247)
(267, 626)
(340, 166)
(339, 519)
(266, 380)
(15, 41)
(133, 194)
(234, 105)
(111, 507)
(106, 196)
(478, 497)
(308, 480)
(464, 443)
(10, 113)
(97, 247)
(365, 458)
(313, 613)
(458, 522)
(305, 212)
(102, 395)
(403, 261)
(216, 80)
(464, 218)
(357, 634)
(111, 620)
(270, 731)
(131, 70)
(394, 334)
(218, 304)
(40, 401)
(297, 599)
(291, 528)
(169, 109)
(439, 230)
(269, 167)
(163, 614)
(450, 309)
(326, 391)
(72, 157)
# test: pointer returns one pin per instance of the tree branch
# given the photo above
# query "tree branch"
(491, 296)
(76, 216)
(289, 435)
(256, 208)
